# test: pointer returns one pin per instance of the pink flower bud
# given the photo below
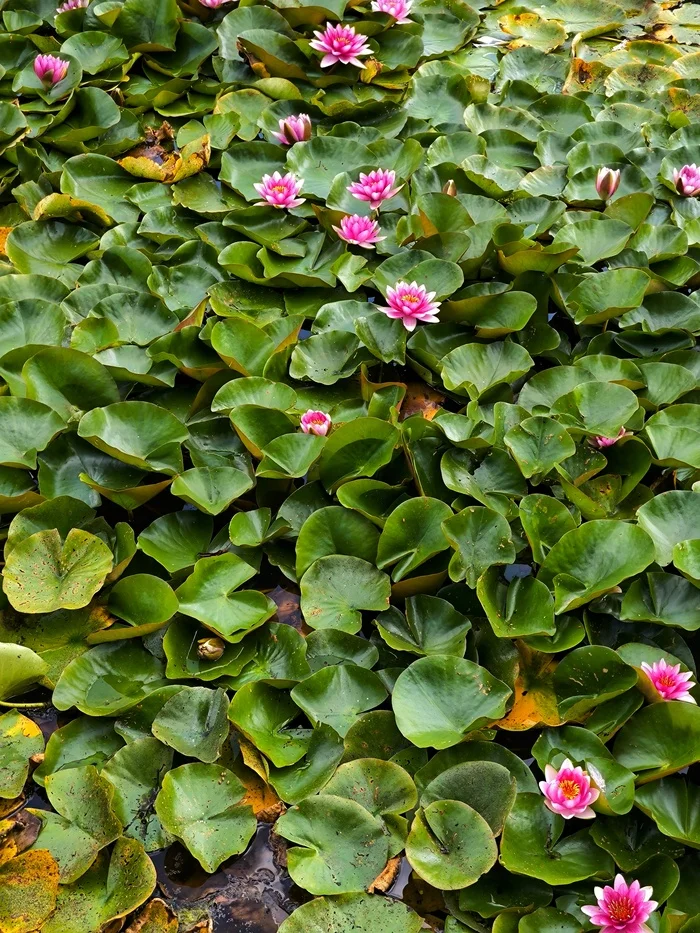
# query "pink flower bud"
(568, 791)
(315, 422)
(213, 4)
(50, 69)
(340, 44)
(375, 187)
(601, 442)
(607, 182)
(687, 180)
(399, 9)
(294, 129)
(362, 231)
(410, 303)
(622, 908)
(72, 5)
(278, 191)
(668, 681)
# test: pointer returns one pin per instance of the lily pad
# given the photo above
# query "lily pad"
(200, 804)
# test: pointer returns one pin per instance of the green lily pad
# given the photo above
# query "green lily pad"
(109, 679)
(592, 559)
(438, 700)
(200, 805)
(336, 695)
(532, 845)
(450, 845)
(20, 738)
(335, 588)
(363, 912)
(340, 847)
(136, 773)
(115, 885)
(194, 722)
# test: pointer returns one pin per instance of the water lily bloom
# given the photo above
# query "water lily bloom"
(375, 187)
(622, 908)
(72, 5)
(568, 792)
(315, 422)
(340, 44)
(399, 9)
(294, 129)
(607, 182)
(687, 180)
(50, 69)
(362, 231)
(602, 442)
(279, 191)
(410, 303)
(213, 4)
(668, 681)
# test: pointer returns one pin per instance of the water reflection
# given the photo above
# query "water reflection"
(250, 893)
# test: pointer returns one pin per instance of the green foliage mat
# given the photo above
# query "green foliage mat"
(381, 631)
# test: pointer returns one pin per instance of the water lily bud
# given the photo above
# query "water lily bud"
(50, 69)
(210, 649)
(295, 129)
(450, 188)
(607, 182)
(687, 180)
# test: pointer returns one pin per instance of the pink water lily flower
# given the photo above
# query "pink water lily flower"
(340, 44)
(410, 303)
(279, 191)
(294, 129)
(687, 180)
(213, 4)
(72, 5)
(601, 442)
(622, 908)
(50, 69)
(315, 422)
(399, 9)
(375, 187)
(668, 681)
(607, 182)
(568, 792)
(362, 231)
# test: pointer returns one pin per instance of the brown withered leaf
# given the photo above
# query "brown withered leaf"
(386, 877)
(421, 400)
(535, 700)
(159, 159)
(63, 205)
(4, 233)
(17, 834)
(373, 67)
(585, 76)
(155, 917)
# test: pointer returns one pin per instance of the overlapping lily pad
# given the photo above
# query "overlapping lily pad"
(273, 542)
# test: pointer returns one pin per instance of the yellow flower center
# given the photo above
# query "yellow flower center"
(280, 188)
(621, 910)
(412, 298)
(667, 680)
(570, 788)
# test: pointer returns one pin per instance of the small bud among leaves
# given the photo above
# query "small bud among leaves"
(210, 649)
(450, 188)
(607, 182)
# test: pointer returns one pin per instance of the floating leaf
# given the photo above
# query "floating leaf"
(450, 845)
(438, 700)
(200, 804)
(340, 847)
